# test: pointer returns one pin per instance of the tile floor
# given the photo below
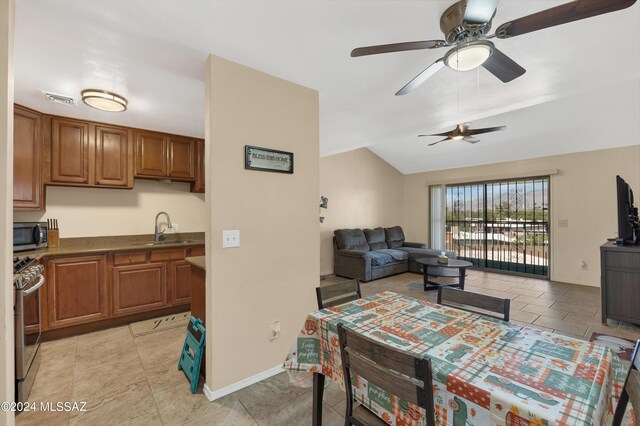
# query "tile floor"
(134, 381)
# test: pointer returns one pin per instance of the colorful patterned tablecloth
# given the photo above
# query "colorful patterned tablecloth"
(486, 371)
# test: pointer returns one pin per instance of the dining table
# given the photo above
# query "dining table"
(485, 371)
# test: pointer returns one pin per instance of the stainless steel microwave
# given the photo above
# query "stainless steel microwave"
(29, 235)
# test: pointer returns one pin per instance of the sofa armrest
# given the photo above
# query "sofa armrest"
(414, 245)
(356, 254)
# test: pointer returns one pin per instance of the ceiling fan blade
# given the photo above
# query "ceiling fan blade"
(470, 139)
(568, 12)
(397, 47)
(480, 11)
(503, 67)
(437, 134)
(436, 143)
(485, 130)
(422, 77)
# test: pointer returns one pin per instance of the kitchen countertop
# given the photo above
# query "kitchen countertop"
(198, 262)
(86, 245)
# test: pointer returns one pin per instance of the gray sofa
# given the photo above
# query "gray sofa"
(370, 254)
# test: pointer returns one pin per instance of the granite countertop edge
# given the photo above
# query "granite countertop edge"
(118, 243)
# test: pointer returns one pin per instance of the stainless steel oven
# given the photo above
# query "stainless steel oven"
(28, 323)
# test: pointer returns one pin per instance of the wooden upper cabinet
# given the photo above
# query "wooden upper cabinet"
(181, 158)
(165, 156)
(151, 155)
(69, 151)
(27, 159)
(76, 290)
(114, 157)
(198, 184)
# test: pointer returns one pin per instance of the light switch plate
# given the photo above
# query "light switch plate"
(231, 238)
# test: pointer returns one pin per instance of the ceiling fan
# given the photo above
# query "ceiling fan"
(466, 26)
(463, 132)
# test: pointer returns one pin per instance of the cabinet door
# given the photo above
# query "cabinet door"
(27, 163)
(623, 294)
(69, 151)
(151, 154)
(182, 158)
(198, 185)
(139, 288)
(113, 154)
(76, 290)
(181, 289)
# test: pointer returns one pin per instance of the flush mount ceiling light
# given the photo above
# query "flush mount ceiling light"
(103, 100)
(469, 56)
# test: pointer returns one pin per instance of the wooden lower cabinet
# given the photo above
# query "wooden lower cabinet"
(76, 290)
(139, 288)
(181, 291)
(85, 289)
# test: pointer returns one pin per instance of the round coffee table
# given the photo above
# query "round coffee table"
(453, 268)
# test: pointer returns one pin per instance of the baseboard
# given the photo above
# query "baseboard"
(574, 281)
(219, 393)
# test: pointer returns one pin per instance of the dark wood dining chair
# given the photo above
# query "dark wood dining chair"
(483, 304)
(631, 390)
(392, 370)
(337, 294)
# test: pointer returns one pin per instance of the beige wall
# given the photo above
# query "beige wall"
(87, 212)
(582, 192)
(364, 191)
(6, 194)
(277, 262)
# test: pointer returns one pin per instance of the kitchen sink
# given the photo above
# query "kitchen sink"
(162, 243)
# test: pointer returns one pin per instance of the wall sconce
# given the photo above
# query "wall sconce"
(324, 202)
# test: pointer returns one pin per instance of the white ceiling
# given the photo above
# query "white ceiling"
(582, 78)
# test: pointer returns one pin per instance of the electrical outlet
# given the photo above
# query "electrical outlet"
(173, 229)
(275, 330)
(230, 238)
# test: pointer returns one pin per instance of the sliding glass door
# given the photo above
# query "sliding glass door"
(500, 225)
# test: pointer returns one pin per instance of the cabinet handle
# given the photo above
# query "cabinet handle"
(130, 260)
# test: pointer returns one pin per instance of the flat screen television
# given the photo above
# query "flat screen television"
(628, 229)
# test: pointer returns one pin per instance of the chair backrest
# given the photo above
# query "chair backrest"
(631, 390)
(397, 372)
(337, 294)
(485, 305)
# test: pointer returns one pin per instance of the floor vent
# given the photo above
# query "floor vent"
(60, 99)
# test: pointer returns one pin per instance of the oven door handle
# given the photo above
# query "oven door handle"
(35, 287)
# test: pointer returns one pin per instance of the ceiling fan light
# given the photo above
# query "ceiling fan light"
(103, 100)
(469, 56)
(457, 138)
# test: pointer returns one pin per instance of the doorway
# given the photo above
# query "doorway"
(500, 225)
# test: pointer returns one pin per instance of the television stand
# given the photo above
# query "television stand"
(620, 282)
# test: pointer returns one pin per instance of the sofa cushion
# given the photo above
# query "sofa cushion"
(375, 238)
(397, 255)
(387, 256)
(351, 239)
(394, 237)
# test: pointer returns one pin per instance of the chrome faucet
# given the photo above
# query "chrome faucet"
(158, 235)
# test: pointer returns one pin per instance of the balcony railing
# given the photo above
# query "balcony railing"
(509, 245)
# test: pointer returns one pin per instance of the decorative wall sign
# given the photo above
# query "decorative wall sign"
(269, 160)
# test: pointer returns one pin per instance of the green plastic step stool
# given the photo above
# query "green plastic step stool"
(192, 351)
